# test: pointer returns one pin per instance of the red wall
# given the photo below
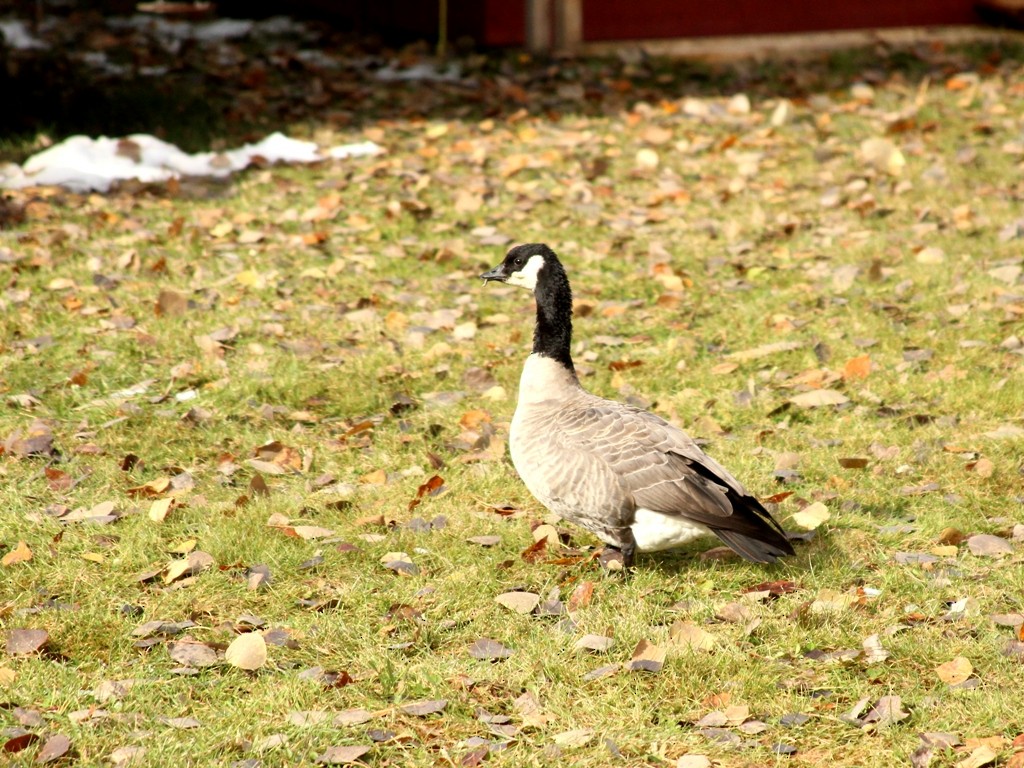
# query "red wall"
(623, 19)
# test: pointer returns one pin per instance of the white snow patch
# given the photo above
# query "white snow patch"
(16, 35)
(424, 71)
(83, 164)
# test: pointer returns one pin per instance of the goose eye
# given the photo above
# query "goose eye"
(519, 261)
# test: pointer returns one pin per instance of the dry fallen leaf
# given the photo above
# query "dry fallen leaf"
(987, 545)
(424, 708)
(857, 367)
(647, 657)
(983, 468)
(192, 654)
(342, 755)
(189, 565)
(686, 634)
(816, 398)
(248, 651)
(487, 649)
(23, 641)
(159, 508)
(811, 516)
(979, 757)
(20, 554)
(577, 737)
(887, 710)
(594, 643)
(693, 761)
(55, 748)
(955, 671)
(520, 602)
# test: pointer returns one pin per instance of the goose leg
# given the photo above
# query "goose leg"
(619, 558)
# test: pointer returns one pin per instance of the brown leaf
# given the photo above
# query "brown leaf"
(983, 468)
(190, 565)
(342, 755)
(986, 545)
(424, 708)
(432, 487)
(152, 488)
(20, 742)
(58, 480)
(37, 441)
(353, 717)
(192, 654)
(979, 757)
(887, 710)
(56, 747)
(23, 641)
(853, 462)
(487, 649)
(774, 588)
(20, 554)
(171, 303)
(536, 552)
(647, 657)
(307, 532)
(581, 596)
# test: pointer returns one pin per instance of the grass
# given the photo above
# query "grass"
(326, 337)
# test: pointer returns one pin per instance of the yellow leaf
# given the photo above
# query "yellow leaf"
(222, 229)
(250, 279)
(811, 516)
(159, 508)
(20, 554)
(689, 635)
(94, 557)
(955, 670)
(248, 651)
(184, 547)
(7, 676)
(377, 477)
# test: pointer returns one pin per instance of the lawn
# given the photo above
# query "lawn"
(256, 506)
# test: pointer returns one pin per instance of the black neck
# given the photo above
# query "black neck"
(552, 336)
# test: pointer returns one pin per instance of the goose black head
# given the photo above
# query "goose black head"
(523, 265)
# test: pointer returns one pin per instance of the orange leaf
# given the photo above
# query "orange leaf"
(536, 551)
(20, 554)
(581, 596)
(857, 367)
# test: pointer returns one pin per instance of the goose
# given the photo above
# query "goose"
(635, 481)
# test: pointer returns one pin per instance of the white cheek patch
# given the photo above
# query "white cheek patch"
(527, 276)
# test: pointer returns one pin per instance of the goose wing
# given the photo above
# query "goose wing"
(664, 470)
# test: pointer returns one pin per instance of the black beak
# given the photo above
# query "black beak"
(498, 273)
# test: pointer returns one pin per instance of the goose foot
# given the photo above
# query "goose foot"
(616, 558)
